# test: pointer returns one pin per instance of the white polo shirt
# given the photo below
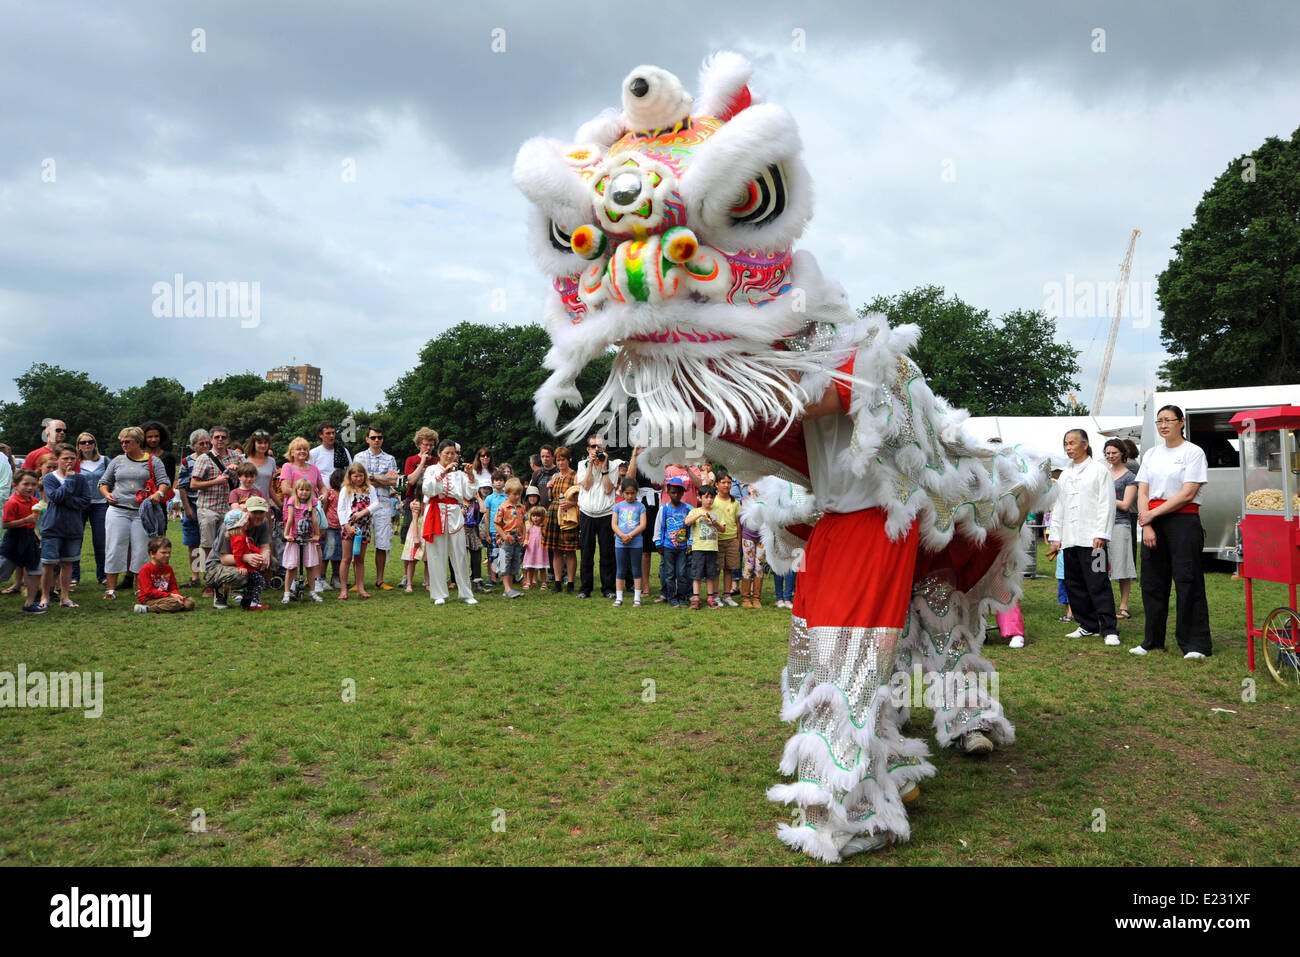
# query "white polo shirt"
(1165, 470)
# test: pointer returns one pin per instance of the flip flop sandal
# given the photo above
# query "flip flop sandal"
(1123, 613)
(110, 595)
(68, 604)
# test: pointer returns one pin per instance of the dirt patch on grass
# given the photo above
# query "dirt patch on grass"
(697, 740)
(313, 775)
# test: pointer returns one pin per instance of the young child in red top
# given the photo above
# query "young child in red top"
(158, 589)
(20, 549)
(240, 548)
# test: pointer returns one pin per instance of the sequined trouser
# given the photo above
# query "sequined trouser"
(850, 761)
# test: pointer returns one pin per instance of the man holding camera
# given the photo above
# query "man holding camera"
(596, 495)
(211, 481)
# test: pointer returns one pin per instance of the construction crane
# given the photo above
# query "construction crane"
(1121, 297)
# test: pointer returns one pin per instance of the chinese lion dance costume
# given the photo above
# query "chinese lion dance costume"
(668, 230)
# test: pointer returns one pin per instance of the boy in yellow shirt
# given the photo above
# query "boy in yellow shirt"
(705, 527)
(727, 511)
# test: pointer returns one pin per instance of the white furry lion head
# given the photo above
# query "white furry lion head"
(669, 232)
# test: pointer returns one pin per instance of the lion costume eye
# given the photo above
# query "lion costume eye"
(763, 199)
(560, 239)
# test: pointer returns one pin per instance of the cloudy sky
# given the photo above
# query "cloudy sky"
(354, 161)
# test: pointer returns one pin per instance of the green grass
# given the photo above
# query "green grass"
(535, 707)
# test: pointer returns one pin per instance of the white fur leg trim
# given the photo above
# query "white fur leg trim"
(815, 842)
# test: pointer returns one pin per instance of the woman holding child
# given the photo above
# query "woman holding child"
(561, 533)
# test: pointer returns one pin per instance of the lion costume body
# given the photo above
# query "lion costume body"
(668, 230)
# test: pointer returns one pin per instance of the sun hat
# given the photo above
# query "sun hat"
(235, 518)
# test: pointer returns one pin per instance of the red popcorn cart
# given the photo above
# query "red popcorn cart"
(1270, 531)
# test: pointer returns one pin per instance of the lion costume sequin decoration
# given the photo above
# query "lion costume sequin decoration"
(668, 229)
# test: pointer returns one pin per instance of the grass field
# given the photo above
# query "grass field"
(521, 732)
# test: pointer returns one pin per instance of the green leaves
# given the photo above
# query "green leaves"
(1009, 366)
(1231, 294)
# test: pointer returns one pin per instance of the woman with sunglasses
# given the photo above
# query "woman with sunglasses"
(125, 482)
(92, 464)
(481, 468)
(1171, 482)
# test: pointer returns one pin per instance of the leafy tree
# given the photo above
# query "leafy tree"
(306, 421)
(475, 384)
(159, 398)
(244, 386)
(1011, 366)
(48, 391)
(269, 410)
(1231, 294)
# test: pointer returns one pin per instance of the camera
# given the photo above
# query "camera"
(600, 455)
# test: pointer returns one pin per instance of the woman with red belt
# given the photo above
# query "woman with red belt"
(1170, 484)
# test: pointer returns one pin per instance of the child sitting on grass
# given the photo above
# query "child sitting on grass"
(704, 527)
(157, 582)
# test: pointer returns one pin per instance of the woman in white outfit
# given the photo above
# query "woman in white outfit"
(447, 491)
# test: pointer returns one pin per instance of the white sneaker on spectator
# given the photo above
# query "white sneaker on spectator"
(471, 600)
(1081, 632)
(440, 601)
(141, 608)
(1112, 640)
(1192, 655)
(729, 601)
(1017, 641)
(1137, 650)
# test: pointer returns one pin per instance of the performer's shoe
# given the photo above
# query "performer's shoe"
(1017, 641)
(1137, 650)
(1112, 640)
(865, 842)
(912, 796)
(976, 742)
(1081, 632)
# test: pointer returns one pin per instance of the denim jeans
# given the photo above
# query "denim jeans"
(674, 582)
(784, 586)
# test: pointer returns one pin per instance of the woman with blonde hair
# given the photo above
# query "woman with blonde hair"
(127, 481)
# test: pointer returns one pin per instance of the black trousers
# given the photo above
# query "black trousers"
(1177, 559)
(590, 531)
(1087, 582)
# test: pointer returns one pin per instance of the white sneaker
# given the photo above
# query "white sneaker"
(1017, 641)
(440, 601)
(471, 600)
(316, 596)
(1192, 654)
(1081, 632)
(729, 601)
(285, 600)
(1137, 650)
(1112, 640)
(144, 609)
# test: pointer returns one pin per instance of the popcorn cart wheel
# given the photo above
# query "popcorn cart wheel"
(1281, 645)
(1270, 532)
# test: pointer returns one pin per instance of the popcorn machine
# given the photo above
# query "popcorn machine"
(1270, 530)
